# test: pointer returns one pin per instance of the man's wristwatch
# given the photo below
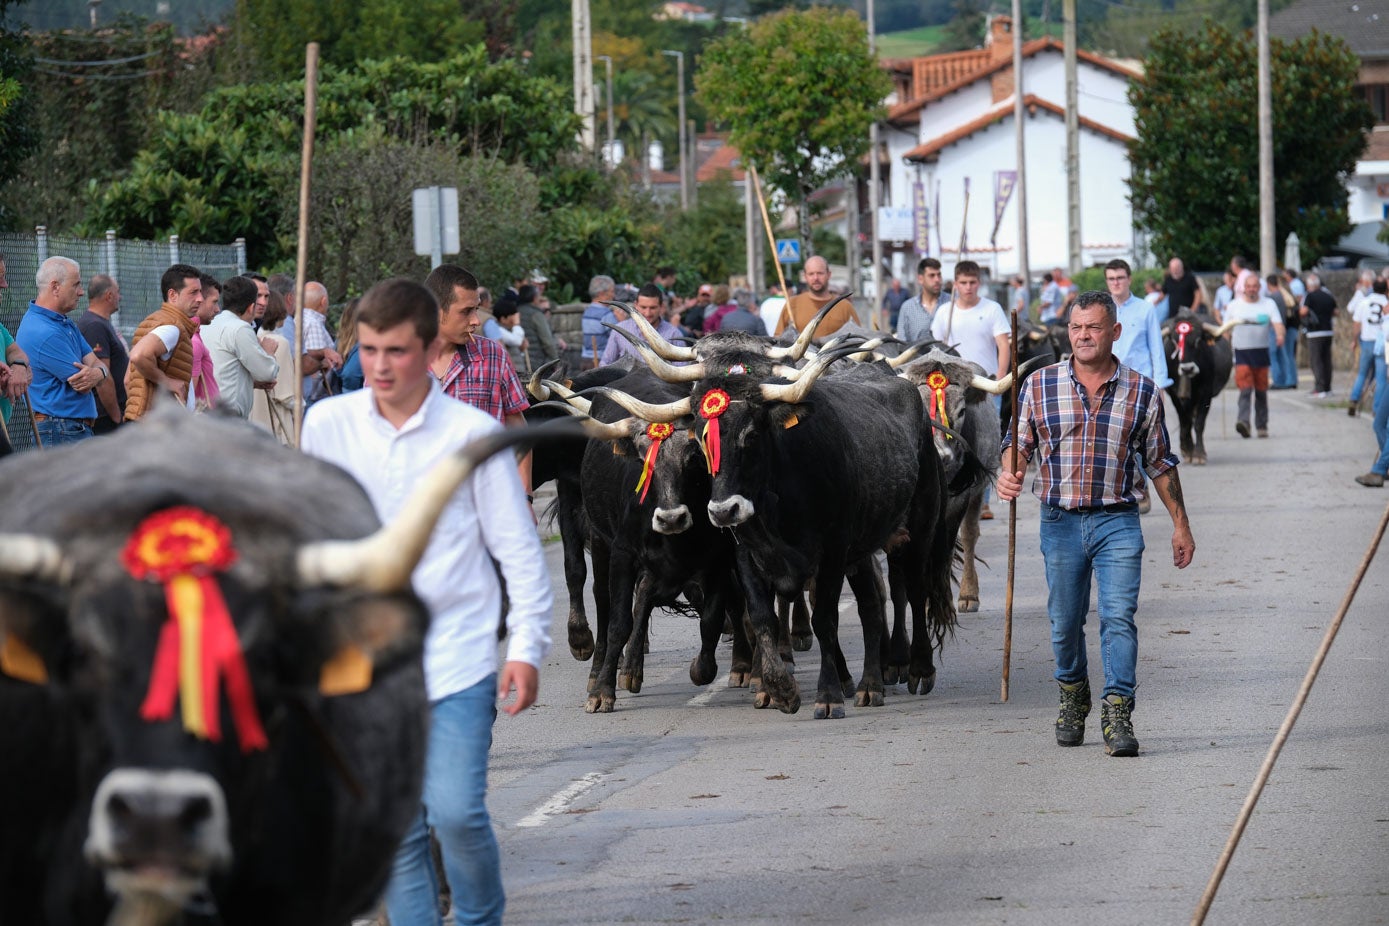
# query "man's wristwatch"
(20, 363)
(530, 499)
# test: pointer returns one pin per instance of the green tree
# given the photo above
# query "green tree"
(798, 92)
(966, 27)
(17, 131)
(1195, 160)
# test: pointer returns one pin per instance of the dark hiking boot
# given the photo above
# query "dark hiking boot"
(1243, 428)
(1116, 720)
(1372, 480)
(1075, 705)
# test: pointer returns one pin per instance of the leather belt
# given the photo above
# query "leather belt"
(1118, 508)
(40, 416)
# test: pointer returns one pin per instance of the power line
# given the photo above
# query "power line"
(109, 61)
(71, 76)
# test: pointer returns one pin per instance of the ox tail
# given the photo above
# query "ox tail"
(940, 582)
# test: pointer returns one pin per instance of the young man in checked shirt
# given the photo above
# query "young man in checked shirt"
(469, 367)
(1091, 422)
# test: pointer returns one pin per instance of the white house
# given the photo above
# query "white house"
(951, 124)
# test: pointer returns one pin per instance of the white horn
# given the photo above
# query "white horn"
(384, 561)
(791, 393)
(659, 344)
(670, 411)
(797, 351)
(28, 556)
(568, 395)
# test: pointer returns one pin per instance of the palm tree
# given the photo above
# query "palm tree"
(642, 108)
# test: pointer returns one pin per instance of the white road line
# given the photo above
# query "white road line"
(707, 695)
(560, 800)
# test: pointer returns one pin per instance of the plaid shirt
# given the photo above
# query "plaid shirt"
(1090, 458)
(481, 374)
(316, 336)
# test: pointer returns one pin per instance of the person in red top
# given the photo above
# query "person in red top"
(469, 367)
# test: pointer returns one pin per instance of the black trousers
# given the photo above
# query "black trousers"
(1319, 356)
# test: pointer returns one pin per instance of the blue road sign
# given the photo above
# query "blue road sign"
(788, 250)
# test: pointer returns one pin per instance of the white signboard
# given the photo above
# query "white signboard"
(895, 223)
(436, 221)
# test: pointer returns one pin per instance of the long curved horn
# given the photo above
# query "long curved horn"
(535, 385)
(688, 373)
(797, 350)
(1220, 332)
(1000, 386)
(670, 411)
(595, 429)
(568, 395)
(865, 350)
(905, 357)
(791, 393)
(659, 344)
(384, 561)
(29, 556)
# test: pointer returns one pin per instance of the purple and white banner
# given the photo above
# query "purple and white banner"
(921, 220)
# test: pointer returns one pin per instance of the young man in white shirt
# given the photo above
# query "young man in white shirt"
(979, 330)
(387, 435)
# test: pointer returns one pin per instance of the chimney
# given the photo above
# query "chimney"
(1000, 41)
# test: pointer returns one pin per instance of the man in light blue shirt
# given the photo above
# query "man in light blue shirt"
(1140, 341)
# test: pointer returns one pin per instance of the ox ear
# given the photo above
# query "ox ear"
(786, 416)
(373, 631)
(19, 661)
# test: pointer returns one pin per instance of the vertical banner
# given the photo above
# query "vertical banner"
(964, 226)
(940, 247)
(1004, 182)
(921, 220)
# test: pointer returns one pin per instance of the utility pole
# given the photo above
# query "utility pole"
(1267, 261)
(612, 148)
(583, 71)
(679, 57)
(1019, 124)
(1072, 137)
(751, 231)
(874, 181)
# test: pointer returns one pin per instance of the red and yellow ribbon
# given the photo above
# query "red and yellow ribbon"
(714, 404)
(182, 548)
(657, 431)
(1183, 329)
(937, 382)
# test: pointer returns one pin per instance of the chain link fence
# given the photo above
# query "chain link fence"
(135, 265)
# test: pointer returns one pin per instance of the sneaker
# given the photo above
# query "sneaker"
(1318, 395)
(1075, 705)
(1263, 432)
(1116, 721)
(1243, 428)
(1371, 480)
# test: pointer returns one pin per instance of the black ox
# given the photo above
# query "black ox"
(1199, 361)
(121, 795)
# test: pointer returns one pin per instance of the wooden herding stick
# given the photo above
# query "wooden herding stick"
(301, 265)
(1012, 520)
(767, 224)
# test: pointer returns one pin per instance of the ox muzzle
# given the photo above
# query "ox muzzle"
(157, 835)
(731, 511)
(672, 520)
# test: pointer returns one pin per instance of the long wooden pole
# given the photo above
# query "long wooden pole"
(301, 265)
(767, 224)
(1260, 780)
(1012, 520)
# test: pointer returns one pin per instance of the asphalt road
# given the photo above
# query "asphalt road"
(687, 805)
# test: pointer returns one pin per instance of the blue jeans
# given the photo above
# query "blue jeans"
(1370, 365)
(54, 432)
(455, 791)
(1109, 546)
(1381, 465)
(1283, 359)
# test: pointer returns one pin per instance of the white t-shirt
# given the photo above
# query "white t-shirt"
(1252, 337)
(1369, 312)
(770, 311)
(168, 335)
(973, 331)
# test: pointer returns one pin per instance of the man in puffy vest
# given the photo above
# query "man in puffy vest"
(161, 355)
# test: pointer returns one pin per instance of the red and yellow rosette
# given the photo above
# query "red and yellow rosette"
(714, 404)
(657, 432)
(183, 548)
(937, 382)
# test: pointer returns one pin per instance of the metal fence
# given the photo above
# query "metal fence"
(135, 265)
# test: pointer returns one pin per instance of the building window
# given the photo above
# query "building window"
(1377, 95)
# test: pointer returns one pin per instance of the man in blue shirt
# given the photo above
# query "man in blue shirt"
(66, 371)
(1139, 346)
(601, 289)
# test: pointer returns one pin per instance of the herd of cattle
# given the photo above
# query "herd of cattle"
(736, 475)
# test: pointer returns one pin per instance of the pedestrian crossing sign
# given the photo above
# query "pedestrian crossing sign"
(788, 250)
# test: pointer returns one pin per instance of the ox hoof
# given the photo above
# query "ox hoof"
(826, 711)
(924, 682)
(703, 671)
(761, 700)
(630, 683)
(600, 704)
(1198, 460)
(581, 643)
(868, 699)
(788, 705)
(739, 678)
(800, 642)
(894, 675)
(967, 604)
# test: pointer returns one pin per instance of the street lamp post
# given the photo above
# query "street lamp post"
(679, 57)
(612, 148)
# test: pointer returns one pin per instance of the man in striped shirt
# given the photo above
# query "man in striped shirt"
(1091, 422)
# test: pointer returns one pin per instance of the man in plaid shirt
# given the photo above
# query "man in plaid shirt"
(469, 367)
(1091, 422)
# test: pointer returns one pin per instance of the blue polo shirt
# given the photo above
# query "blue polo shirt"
(54, 344)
